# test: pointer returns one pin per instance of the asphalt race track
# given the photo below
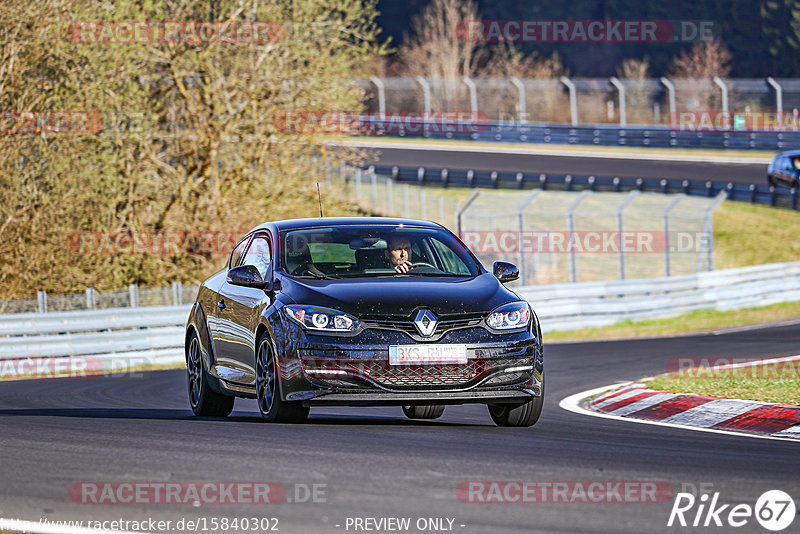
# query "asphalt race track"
(745, 173)
(373, 461)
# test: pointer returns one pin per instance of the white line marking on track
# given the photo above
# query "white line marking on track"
(572, 404)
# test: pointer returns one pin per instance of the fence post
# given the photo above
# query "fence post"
(521, 106)
(133, 293)
(359, 172)
(473, 97)
(573, 275)
(523, 268)
(41, 298)
(621, 207)
(381, 95)
(389, 198)
(374, 179)
(426, 92)
(724, 90)
(91, 298)
(573, 99)
(671, 96)
(666, 233)
(461, 209)
(623, 121)
(709, 228)
(778, 99)
(177, 293)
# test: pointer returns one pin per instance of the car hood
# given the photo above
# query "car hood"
(400, 296)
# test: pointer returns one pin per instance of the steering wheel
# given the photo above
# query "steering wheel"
(422, 264)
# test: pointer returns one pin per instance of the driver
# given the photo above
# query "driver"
(397, 253)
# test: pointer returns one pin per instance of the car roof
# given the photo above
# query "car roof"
(795, 152)
(291, 224)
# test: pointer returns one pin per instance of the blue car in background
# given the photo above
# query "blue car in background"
(785, 169)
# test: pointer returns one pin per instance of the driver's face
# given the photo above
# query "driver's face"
(398, 250)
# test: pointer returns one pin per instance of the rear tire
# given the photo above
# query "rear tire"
(423, 411)
(203, 400)
(270, 405)
(525, 414)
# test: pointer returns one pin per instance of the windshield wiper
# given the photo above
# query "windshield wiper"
(319, 276)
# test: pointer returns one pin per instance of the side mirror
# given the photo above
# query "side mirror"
(505, 272)
(246, 276)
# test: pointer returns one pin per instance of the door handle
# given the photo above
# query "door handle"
(221, 305)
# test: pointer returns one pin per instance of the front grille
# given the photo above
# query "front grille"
(335, 372)
(445, 325)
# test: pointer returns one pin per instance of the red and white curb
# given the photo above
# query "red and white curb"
(709, 414)
(634, 401)
(639, 402)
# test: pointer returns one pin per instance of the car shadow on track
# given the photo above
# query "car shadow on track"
(186, 415)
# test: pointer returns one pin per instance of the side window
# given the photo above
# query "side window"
(238, 253)
(452, 263)
(259, 255)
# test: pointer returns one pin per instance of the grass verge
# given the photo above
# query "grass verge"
(694, 322)
(775, 382)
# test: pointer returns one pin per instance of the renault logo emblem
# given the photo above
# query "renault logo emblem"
(426, 322)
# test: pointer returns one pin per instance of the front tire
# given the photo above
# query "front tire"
(519, 415)
(270, 405)
(203, 400)
(423, 411)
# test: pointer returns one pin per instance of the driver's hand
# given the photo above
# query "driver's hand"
(403, 267)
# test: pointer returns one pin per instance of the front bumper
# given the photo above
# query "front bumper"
(323, 369)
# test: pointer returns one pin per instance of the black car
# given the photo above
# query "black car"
(364, 312)
(785, 169)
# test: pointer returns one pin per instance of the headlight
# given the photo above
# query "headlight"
(321, 319)
(508, 316)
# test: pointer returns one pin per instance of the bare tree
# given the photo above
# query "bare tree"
(635, 74)
(705, 59)
(437, 49)
(695, 68)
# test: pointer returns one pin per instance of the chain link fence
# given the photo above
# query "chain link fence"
(133, 297)
(559, 236)
(642, 101)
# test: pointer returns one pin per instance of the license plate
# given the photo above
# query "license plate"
(427, 354)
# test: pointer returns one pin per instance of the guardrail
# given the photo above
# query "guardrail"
(656, 137)
(158, 334)
(597, 304)
(778, 196)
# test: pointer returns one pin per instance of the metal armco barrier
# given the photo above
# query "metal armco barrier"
(756, 194)
(657, 137)
(560, 307)
(597, 304)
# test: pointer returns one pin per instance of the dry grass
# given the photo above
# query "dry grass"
(776, 382)
(695, 322)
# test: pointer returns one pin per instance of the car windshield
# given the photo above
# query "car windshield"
(369, 251)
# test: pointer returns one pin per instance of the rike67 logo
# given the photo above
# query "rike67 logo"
(774, 510)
